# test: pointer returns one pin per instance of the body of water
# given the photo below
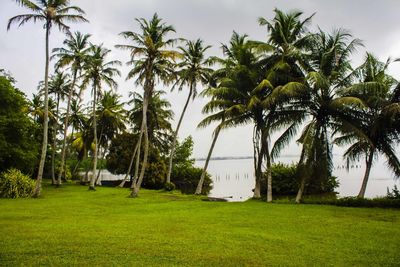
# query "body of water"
(235, 178)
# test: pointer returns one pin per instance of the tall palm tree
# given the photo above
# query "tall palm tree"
(59, 85)
(97, 71)
(72, 55)
(51, 12)
(152, 62)
(378, 132)
(320, 98)
(193, 70)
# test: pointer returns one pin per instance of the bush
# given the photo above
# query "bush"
(15, 184)
(286, 181)
(169, 186)
(394, 194)
(186, 177)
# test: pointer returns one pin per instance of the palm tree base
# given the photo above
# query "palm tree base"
(92, 188)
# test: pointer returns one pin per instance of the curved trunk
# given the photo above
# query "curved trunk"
(258, 171)
(203, 174)
(171, 156)
(137, 163)
(63, 149)
(93, 178)
(143, 131)
(38, 185)
(130, 166)
(368, 162)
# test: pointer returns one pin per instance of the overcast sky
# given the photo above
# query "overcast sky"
(22, 50)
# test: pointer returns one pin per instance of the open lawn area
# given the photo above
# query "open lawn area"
(74, 226)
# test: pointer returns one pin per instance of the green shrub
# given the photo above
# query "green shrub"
(394, 194)
(186, 178)
(169, 186)
(286, 181)
(15, 184)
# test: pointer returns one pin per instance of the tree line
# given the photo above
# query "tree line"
(297, 82)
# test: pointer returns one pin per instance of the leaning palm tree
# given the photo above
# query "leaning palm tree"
(52, 13)
(378, 131)
(320, 98)
(152, 62)
(192, 71)
(97, 71)
(72, 55)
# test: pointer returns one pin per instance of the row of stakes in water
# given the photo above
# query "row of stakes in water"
(246, 176)
(237, 177)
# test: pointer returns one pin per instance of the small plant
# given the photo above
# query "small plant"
(169, 186)
(394, 194)
(15, 184)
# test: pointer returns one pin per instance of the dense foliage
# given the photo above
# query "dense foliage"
(15, 184)
(286, 180)
(18, 145)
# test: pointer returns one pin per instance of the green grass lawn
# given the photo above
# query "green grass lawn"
(74, 226)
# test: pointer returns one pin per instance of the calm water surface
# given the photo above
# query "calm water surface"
(234, 178)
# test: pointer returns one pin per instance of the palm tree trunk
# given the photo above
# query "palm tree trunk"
(176, 133)
(93, 178)
(137, 163)
(368, 161)
(203, 174)
(299, 195)
(38, 185)
(257, 189)
(53, 147)
(63, 150)
(269, 172)
(137, 185)
(130, 166)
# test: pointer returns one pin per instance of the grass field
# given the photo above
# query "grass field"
(74, 226)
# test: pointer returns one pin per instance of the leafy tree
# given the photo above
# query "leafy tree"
(51, 12)
(18, 145)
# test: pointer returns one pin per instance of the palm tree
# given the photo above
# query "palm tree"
(192, 71)
(59, 85)
(73, 55)
(111, 118)
(51, 12)
(151, 62)
(159, 115)
(97, 71)
(320, 98)
(377, 133)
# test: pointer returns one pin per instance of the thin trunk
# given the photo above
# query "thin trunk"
(130, 165)
(301, 190)
(93, 178)
(38, 185)
(257, 189)
(299, 195)
(137, 185)
(176, 133)
(368, 162)
(76, 167)
(137, 163)
(203, 174)
(269, 172)
(97, 182)
(63, 150)
(53, 147)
